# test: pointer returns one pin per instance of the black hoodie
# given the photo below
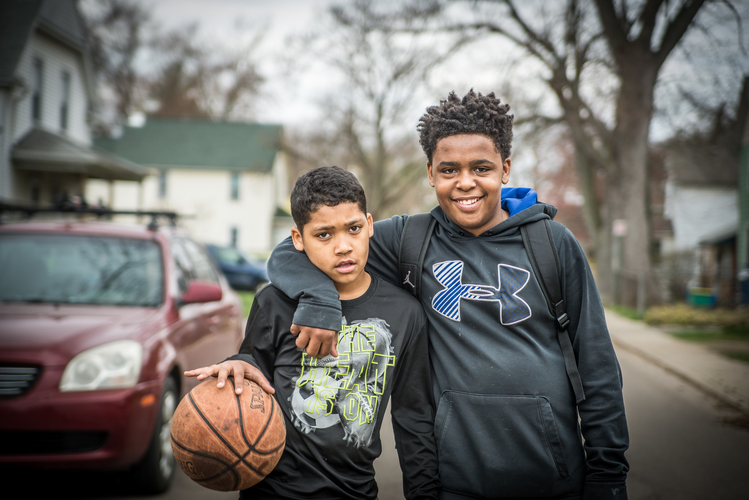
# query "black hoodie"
(507, 424)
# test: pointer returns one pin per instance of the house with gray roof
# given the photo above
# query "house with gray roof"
(46, 94)
(228, 178)
(701, 193)
(702, 203)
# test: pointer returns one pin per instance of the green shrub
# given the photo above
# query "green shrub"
(247, 298)
(682, 314)
(626, 311)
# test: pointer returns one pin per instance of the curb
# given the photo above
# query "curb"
(721, 396)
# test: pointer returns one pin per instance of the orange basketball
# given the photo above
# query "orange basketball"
(225, 441)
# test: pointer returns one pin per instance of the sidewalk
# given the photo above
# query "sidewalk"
(721, 377)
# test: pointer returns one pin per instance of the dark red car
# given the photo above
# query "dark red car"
(97, 323)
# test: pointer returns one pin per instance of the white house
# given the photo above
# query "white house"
(702, 204)
(701, 194)
(227, 178)
(46, 94)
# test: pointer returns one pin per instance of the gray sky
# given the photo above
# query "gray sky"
(281, 18)
(291, 101)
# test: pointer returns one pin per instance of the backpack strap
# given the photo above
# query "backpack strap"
(542, 252)
(415, 237)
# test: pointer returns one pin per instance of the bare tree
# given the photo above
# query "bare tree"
(117, 31)
(363, 127)
(206, 80)
(141, 67)
(590, 50)
(639, 51)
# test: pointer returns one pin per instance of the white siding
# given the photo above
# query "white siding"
(281, 181)
(699, 212)
(6, 173)
(205, 195)
(55, 58)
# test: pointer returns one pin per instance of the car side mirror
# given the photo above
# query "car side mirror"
(201, 291)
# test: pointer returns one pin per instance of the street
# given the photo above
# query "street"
(681, 449)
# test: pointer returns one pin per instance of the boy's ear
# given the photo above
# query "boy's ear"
(429, 173)
(506, 170)
(370, 224)
(296, 238)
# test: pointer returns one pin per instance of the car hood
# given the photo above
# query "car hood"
(53, 334)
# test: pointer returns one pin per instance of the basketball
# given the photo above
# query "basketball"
(225, 441)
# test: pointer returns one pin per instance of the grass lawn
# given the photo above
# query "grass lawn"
(732, 342)
(704, 335)
(738, 355)
(247, 298)
(627, 312)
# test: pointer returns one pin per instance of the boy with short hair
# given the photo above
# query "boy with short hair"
(334, 405)
(507, 419)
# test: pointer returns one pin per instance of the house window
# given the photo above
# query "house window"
(36, 91)
(65, 103)
(235, 185)
(162, 184)
(234, 236)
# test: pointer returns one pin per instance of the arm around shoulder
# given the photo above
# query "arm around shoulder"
(384, 247)
(292, 272)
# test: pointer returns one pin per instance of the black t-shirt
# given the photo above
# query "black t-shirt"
(334, 406)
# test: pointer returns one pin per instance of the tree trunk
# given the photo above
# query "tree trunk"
(604, 257)
(627, 189)
(587, 168)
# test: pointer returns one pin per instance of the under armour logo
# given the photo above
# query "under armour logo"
(408, 280)
(512, 309)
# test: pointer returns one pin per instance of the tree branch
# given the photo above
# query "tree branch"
(544, 42)
(676, 29)
(648, 16)
(739, 25)
(495, 29)
(613, 27)
(545, 121)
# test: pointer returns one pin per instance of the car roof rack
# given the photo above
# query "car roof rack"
(70, 208)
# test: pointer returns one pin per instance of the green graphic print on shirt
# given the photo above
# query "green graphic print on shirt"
(346, 391)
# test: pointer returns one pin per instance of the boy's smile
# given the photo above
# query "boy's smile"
(467, 174)
(336, 240)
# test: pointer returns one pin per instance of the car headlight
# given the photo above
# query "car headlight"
(115, 365)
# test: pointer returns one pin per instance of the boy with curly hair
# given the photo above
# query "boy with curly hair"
(507, 424)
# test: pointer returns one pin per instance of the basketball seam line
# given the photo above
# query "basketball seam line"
(274, 403)
(229, 467)
(218, 435)
(239, 456)
(251, 447)
(262, 433)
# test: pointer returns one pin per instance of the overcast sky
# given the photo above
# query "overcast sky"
(279, 18)
(293, 102)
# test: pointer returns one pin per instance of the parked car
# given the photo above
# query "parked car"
(242, 272)
(98, 322)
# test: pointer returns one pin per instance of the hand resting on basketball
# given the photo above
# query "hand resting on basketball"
(316, 341)
(236, 368)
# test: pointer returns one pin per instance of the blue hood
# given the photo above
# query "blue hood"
(516, 200)
(521, 203)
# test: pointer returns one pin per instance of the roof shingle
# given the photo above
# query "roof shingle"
(190, 143)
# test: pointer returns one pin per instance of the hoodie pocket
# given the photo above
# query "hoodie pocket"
(499, 445)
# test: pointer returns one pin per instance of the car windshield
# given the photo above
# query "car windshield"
(80, 270)
(230, 255)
